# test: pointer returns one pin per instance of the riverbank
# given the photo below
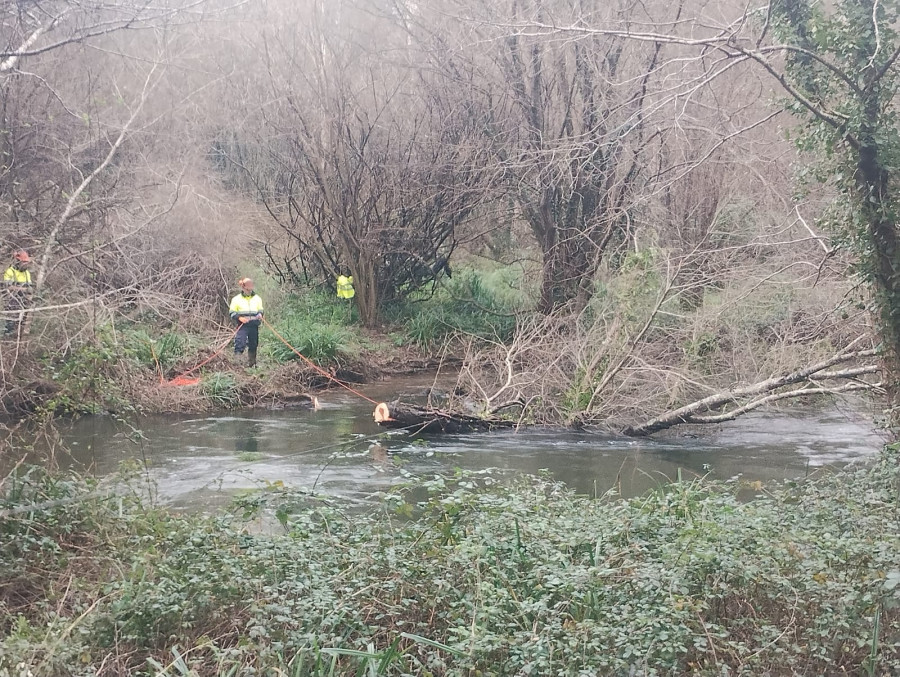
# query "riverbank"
(487, 575)
(125, 375)
(226, 383)
(127, 366)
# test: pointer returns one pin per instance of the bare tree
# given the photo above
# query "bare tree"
(81, 97)
(363, 165)
(569, 119)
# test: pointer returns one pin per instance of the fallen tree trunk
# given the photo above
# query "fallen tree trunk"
(429, 420)
(715, 408)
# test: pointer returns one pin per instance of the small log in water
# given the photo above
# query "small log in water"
(429, 420)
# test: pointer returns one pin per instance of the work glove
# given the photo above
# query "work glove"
(243, 320)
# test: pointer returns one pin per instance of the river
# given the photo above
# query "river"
(199, 462)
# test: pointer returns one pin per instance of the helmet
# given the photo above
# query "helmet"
(22, 256)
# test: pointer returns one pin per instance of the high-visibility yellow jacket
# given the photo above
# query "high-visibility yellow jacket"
(15, 277)
(244, 305)
(345, 288)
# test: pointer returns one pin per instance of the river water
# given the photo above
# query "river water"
(202, 461)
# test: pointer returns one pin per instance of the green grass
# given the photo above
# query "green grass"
(474, 302)
(317, 307)
(485, 575)
(481, 304)
(154, 352)
(221, 389)
(321, 343)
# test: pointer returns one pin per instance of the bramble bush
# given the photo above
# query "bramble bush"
(486, 575)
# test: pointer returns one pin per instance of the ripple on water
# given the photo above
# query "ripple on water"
(197, 461)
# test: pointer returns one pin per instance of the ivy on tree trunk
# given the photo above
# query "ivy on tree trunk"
(841, 73)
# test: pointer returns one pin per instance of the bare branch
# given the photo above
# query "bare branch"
(775, 397)
(87, 181)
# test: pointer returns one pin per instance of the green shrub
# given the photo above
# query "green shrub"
(577, 397)
(314, 306)
(427, 328)
(86, 376)
(475, 303)
(221, 389)
(472, 304)
(321, 343)
(163, 352)
(484, 575)
(704, 344)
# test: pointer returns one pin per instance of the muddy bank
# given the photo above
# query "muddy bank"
(275, 386)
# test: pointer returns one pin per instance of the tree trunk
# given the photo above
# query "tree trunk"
(872, 181)
(416, 419)
(567, 273)
(715, 408)
(365, 279)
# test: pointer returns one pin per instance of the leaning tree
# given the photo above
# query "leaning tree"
(837, 66)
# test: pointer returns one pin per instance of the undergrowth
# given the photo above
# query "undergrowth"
(117, 367)
(485, 576)
(155, 352)
(473, 303)
(321, 343)
(221, 389)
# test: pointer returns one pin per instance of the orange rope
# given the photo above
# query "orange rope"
(315, 366)
(206, 361)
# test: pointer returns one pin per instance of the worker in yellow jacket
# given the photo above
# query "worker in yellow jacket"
(247, 310)
(17, 291)
(345, 288)
(345, 291)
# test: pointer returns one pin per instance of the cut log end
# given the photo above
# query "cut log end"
(382, 413)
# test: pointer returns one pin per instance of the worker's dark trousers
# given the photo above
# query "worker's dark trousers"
(247, 337)
(14, 302)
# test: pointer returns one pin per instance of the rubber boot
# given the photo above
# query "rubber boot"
(251, 358)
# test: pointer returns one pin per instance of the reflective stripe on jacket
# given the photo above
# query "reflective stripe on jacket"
(245, 306)
(14, 276)
(345, 287)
